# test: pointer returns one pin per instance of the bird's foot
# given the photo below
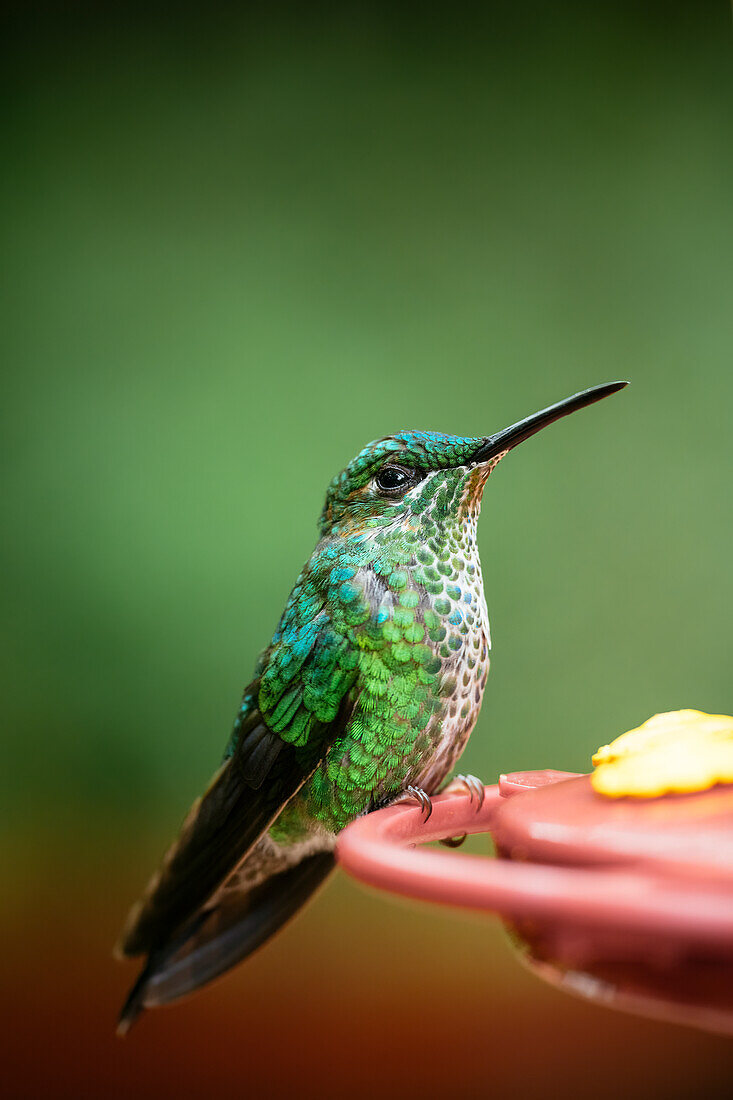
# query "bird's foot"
(468, 784)
(416, 794)
(475, 790)
(453, 841)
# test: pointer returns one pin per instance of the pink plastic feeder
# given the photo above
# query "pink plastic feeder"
(627, 902)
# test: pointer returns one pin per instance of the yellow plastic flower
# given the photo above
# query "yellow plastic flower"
(681, 751)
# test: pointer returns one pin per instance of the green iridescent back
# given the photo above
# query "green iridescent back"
(386, 626)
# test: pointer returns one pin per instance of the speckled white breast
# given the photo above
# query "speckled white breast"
(468, 666)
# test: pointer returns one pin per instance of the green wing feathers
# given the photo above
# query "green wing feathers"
(290, 715)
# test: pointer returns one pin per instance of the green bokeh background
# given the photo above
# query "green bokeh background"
(239, 245)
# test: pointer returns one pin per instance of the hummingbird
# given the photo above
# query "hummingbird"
(366, 695)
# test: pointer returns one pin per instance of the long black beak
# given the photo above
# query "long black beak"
(495, 445)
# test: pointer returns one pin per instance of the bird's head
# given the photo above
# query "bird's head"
(403, 480)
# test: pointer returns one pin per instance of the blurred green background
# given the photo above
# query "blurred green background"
(240, 243)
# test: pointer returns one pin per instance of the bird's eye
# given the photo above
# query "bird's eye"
(395, 479)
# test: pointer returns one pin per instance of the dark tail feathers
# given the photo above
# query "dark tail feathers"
(217, 939)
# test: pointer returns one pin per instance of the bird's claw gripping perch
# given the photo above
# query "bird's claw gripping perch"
(416, 794)
(453, 841)
(471, 785)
